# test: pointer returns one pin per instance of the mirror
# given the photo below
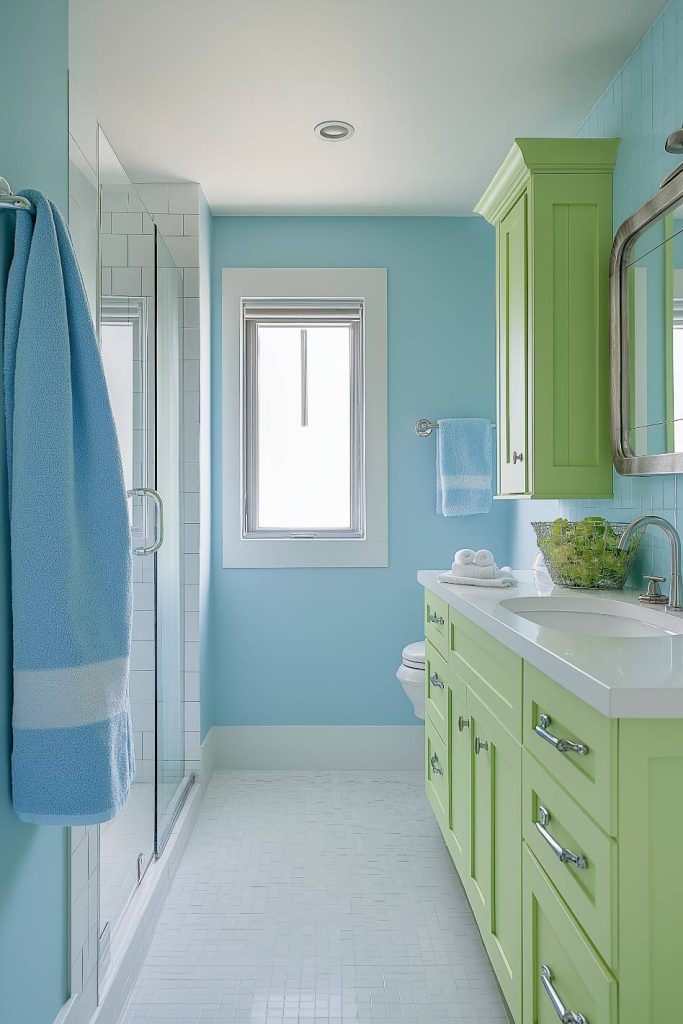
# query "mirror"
(646, 285)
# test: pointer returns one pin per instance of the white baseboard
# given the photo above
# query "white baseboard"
(309, 747)
(208, 759)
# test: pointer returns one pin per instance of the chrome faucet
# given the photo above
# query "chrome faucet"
(638, 524)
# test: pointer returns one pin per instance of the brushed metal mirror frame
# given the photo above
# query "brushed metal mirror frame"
(626, 461)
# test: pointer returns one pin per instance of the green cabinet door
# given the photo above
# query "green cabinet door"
(459, 819)
(572, 236)
(650, 871)
(564, 978)
(551, 203)
(512, 350)
(495, 879)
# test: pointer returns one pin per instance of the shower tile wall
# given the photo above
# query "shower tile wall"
(175, 209)
(127, 269)
(125, 262)
(642, 104)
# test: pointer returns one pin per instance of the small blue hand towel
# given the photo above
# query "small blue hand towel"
(463, 467)
(72, 757)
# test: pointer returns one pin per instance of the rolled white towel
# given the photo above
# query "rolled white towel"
(484, 557)
(465, 556)
(475, 572)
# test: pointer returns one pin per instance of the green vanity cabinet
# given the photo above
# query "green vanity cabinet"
(551, 204)
(566, 828)
(477, 744)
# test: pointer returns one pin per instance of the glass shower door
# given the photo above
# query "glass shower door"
(170, 707)
(127, 341)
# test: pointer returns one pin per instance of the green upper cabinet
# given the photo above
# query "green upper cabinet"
(551, 204)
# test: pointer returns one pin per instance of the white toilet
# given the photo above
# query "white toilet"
(411, 674)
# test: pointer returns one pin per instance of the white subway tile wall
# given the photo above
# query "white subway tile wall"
(642, 104)
(127, 261)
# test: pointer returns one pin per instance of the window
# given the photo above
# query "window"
(304, 418)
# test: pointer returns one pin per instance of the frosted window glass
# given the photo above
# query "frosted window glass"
(304, 428)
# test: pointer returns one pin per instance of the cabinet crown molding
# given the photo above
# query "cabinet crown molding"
(538, 156)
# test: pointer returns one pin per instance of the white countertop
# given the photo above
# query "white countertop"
(625, 677)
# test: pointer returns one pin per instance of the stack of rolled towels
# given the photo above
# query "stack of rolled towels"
(477, 568)
(478, 565)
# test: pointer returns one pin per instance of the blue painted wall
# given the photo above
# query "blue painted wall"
(321, 646)
(642, 104)
(33, 861)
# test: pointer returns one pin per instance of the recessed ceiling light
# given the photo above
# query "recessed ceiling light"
(334, 131)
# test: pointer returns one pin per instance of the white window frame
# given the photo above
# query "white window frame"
(367, 546)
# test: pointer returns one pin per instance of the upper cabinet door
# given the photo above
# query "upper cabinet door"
(551, 203)
(512, 350)
(572, 236)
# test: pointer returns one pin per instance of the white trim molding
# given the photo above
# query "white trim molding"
(317, 747)
(369, 285)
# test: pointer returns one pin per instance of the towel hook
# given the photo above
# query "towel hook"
(8, 200)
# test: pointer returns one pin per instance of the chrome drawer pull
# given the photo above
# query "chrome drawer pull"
(564, 746)
(435, 765)
(561, 852)
(436, 619)
(435, 681)
(565, 1015)
(463, 723)
(480, 744)
(517, 457)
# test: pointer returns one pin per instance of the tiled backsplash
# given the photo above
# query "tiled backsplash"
(642, 104)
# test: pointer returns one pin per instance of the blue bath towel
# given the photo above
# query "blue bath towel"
(463, 467)
(72, 757)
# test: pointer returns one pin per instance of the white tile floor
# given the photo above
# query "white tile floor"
(324, 898)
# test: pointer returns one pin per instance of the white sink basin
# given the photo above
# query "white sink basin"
(593, 616)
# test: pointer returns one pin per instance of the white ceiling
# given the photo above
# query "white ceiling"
(227, 93)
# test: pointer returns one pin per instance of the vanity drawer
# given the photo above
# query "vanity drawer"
(437, 681)
(577, 856)
(491, 670)
(436, 623)
(556, 948)
(436, 773)
(574, 742)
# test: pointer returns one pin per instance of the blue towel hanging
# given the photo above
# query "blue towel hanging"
(463, 467)
(72, 758)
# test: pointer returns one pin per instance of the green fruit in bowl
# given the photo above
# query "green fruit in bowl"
(585, 553)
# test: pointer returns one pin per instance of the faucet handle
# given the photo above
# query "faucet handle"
(653, 594)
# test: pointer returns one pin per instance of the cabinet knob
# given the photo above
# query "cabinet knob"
(438, 620)
(517, 457)
(463, 723)
(480, 744)
(434, 761)
(435, 681)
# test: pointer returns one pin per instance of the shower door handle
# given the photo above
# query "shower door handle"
(149, 492)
